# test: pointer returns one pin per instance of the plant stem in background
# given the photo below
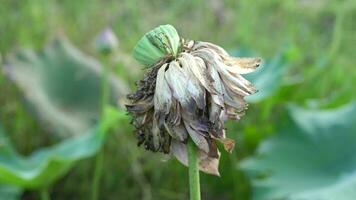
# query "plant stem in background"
(44, 194)
(100, 156)
(97, 175)
(194, 183)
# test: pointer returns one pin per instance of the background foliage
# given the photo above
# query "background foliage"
(308, 49)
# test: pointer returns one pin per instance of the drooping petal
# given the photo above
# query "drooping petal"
(140, 107)
(206, 164)
(179, 150)
(241, 65)
(178, 132)
(194, 88)
(234, 113)
(233, 99)
(178, 82)
(236, 82)
(198, 138)
(198, 69)
(234, 65)
(162, 96)
(174, 115)
(207, 45)
(228, 143)
(217, 85)
(198, 133)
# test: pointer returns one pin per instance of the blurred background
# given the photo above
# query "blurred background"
(59, 140)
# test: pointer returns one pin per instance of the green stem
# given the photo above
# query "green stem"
(100, 156)
(97, 175)
(44, 194)
(194, 183)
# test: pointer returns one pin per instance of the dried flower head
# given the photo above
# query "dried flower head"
(190, 89)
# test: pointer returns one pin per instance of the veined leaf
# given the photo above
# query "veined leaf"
(313, 158)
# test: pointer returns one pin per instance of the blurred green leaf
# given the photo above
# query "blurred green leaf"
(268, 77)
(9, 192)
(45, 165)
(312, 158)
(62, 85)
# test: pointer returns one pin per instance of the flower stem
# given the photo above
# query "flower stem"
(194, 183)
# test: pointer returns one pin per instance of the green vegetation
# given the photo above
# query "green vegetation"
(309, 54)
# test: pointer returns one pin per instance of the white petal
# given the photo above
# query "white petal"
(178, 82)
(238, 83)
(195, 89)
(217, 85)
(163, 96)
(241, 65)
(201, 45)
(198, 69)
(234, 65)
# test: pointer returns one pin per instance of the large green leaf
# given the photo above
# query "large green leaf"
(45, 165)
(314, 158)
(9, 192)
(62, 85)
(268, 77)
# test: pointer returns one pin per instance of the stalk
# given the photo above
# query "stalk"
(44, 194)
(100, 156)
(97, 175)
(194, 182)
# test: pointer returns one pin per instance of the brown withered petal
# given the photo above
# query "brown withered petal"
(206, 163)
(240, 85)
(241, 65)
(191, 96)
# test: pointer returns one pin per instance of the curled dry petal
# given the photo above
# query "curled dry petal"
(177, 132)
(237, 83)
(207, 45)
(178, 82)
(241, 65)
(162, 96)
(198, 69)
(195, 89)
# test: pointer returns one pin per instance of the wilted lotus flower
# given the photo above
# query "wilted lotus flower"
(106, 42)
(190, 89)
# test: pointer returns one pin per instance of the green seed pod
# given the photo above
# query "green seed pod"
(156, 44)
